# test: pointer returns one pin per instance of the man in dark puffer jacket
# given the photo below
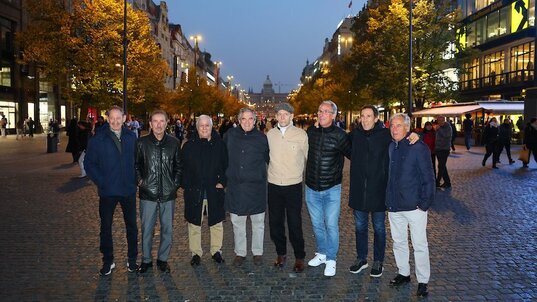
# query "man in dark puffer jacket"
(328, 145)
(158, 172)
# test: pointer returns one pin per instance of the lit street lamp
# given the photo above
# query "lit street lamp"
(410, 60)
(125, 46)
(217, 72)
(196, 39)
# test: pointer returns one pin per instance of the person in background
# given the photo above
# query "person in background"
(490, 140)
(429, 138)
(453, 134)
(442, 146)
(409, 194)
(72, 142)
(505, 133)
(109, 163)
(530, 139)
(84, 131)
(468, 127)
(179, 131)
(31, 127)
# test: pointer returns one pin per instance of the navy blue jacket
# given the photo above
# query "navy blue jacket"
(411, 182)
(111, 170)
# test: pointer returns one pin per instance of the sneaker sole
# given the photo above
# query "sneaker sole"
(376, 276)
(315, 264)
(360, 269)
(113, 266)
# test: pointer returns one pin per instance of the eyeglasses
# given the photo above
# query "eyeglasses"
(325, 112)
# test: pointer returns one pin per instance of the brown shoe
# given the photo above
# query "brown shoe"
(299, 266)
(258, 260)
(280, 261)
(238, 260)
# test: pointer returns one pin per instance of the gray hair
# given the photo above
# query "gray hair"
(404, 116)
(246, 109)
(115, 108)
(332, 104)
(204, 116)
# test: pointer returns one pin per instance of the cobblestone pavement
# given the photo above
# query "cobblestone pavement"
(482, 238)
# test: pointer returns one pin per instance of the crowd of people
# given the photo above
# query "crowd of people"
(247, 172)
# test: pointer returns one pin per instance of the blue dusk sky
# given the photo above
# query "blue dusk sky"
(256, 38)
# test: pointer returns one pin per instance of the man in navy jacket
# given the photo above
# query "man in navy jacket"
(410, 192)
(109, 163)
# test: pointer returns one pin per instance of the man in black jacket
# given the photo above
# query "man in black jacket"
(328, 144)
(204, 160)
(158, 173)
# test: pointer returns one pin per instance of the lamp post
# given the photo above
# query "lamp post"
(229, 78)
(125, 46)
(217, 64)
(410, 60)
(196, 39)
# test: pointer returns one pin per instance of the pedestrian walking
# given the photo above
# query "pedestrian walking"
(19, 130)
(530, 139)
(246, 192)
(158, 174)
(3, 125)
(505, 133)
(367, 192)
(288, 147)
(328, 145)
(409, 195)
(73, 139)
(109, 163)
(31, 127)
(179, 131)
(84, 131)
(468, 127)
(204, 158)
(442, 146)
(490, 140)
(429, 138)
(453, 134)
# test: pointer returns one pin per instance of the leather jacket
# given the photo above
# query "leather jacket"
(158, 169)
(327, 148)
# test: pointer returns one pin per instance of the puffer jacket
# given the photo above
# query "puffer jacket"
(158, 167)
(327, 147)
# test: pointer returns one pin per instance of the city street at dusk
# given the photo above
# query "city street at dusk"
(481, 237)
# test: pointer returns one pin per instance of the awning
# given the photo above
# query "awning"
(494, 107)
(446, 111)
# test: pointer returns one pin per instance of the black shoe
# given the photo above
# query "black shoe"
(358, 266)
(483, 163)
(132, 266)
(217, 257)
(195, 260)
(400, 279)
(376, 270)
(445, 186)
(422, 290)
(511, 161)
(163, 266)
(144, 267)
(494, 167)
(107, 269)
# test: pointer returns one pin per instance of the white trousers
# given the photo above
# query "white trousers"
(81, 163)
(399, 224)
(239, 233)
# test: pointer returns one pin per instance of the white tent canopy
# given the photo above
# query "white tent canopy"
(495, 107)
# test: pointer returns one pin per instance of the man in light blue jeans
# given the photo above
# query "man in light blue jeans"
(328, 144)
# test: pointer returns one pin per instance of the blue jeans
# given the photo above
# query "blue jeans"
(361, 220)
(324, 207)
(467, 138)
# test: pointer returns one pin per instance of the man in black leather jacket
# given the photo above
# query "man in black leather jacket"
(328, 144)
(158, 173)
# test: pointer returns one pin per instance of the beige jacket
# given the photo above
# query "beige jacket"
(288, 154)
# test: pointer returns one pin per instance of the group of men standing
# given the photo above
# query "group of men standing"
(389, 170)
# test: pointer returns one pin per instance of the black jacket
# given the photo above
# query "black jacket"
(369, 168)
(490, 135)
(204, 165)
(530, 137)
(505, 132)
(248, 153)
(158, 167)
(327, 148)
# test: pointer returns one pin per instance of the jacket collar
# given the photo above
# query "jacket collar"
(154, 139)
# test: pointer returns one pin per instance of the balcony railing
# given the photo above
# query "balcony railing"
(501, 79)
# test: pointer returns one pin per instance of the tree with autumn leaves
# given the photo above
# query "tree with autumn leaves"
(376, 70)
(78, 48)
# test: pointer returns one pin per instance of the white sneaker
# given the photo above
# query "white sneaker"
(317, 260)
(82, 175)
(330, 269)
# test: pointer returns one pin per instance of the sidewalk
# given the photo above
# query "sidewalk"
(482, 239)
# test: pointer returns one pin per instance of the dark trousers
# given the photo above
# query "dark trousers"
(442, 156)
(361, 221)
(107, 206)
(491, 149)
(501, 145)
(433, 160)
(467, 138)
(282, 201)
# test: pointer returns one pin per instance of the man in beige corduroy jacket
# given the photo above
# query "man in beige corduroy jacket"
(288, 153)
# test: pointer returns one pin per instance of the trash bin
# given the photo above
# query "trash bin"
(52, 143)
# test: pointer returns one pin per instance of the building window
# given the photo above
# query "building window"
(522, 64)
(5, 75)
(471, 75)
(479, 4)
(493, 69)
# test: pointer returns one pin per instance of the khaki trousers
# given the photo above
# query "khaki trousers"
(194, 235)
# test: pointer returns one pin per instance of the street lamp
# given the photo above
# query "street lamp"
(217, 72)
(125, 46)
(410, 60)
(229, 78)
(196, 39)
